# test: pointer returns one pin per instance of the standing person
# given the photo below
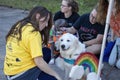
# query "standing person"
(69, 9)
(25, 59)
(114, 58)
(89, 30)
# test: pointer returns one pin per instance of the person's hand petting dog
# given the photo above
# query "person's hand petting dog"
(60, 26)
(63, 29)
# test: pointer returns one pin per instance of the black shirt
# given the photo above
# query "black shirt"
(70, 20)
(86, 30)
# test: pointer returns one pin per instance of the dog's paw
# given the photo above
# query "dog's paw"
(76, 72)
(92, 76)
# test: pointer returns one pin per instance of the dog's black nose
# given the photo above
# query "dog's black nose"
(62, 46)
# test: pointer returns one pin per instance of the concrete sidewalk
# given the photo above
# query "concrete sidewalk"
(8, 16)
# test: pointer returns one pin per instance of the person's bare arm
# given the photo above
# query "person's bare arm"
(71, 30)
(97, 40)
(45, 67)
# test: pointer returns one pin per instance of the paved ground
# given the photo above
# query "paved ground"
(8, 16)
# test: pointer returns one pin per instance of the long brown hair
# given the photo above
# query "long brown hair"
(102, 11)
(103, 7)
(117, 6)
(31, 18)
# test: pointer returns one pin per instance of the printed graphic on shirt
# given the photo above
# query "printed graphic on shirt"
(9, 47)
(85, 37)
(87, 33)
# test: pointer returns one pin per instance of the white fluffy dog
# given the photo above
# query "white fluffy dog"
(70, 48)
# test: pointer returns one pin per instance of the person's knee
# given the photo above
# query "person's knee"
(94, 49)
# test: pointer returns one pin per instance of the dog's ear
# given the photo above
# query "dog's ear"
(79, 45)
(76, 40)
(57, 45)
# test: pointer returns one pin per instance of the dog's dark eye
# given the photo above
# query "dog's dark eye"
(61, 39)
(68, 40)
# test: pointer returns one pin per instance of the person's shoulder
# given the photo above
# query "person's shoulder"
(58, 13)
(75, 13)
(28, 27)
(101, 25)
(29, 30)
(85, 15)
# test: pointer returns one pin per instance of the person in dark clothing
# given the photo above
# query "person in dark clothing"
(69, 12)
(90, 31)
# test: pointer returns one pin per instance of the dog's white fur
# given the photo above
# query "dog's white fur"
(70, 48)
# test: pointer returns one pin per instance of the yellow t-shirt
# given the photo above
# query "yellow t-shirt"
(19, 55)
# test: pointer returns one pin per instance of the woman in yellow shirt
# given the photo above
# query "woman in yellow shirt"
(26, 59)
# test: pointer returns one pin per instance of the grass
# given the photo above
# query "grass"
(52, 5)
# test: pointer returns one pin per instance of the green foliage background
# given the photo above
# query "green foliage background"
(52, 5)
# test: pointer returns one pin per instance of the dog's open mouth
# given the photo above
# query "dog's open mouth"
(64, 48)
